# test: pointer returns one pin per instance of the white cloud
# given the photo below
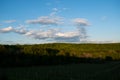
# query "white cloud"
(21, 31)
(46, 20)
(55, 35)
(51, 19)
(9, 21)
(40, 34)
(29, 33)
(67, 34)
(50, 34)
(81, 22)
(67, 37)
(80, 25)
(5, 30)
(54, 11)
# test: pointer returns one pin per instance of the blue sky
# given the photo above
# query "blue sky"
(41, 21)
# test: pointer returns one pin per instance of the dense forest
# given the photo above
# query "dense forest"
(57, 53)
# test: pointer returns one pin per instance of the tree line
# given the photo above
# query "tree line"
(57, 53)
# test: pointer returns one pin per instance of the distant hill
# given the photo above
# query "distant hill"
(58, 53)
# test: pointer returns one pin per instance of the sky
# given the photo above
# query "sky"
(49, 21)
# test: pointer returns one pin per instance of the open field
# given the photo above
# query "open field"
(106, 71)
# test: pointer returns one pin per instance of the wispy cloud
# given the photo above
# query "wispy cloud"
(53, 34)
(81, 22)
(6, 30)
(51, 19)
(21, 30)
(9, 21)
(46, 20)
(40, 34)
(54, 11)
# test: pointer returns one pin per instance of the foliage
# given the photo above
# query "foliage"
(108, 71)
(57, 53)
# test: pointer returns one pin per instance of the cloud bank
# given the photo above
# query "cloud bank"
(52, 34)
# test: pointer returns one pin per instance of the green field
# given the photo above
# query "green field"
(106, 71)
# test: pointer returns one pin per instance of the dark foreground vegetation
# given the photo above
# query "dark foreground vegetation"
(60, 61)
(56, 53)
(83, 71)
